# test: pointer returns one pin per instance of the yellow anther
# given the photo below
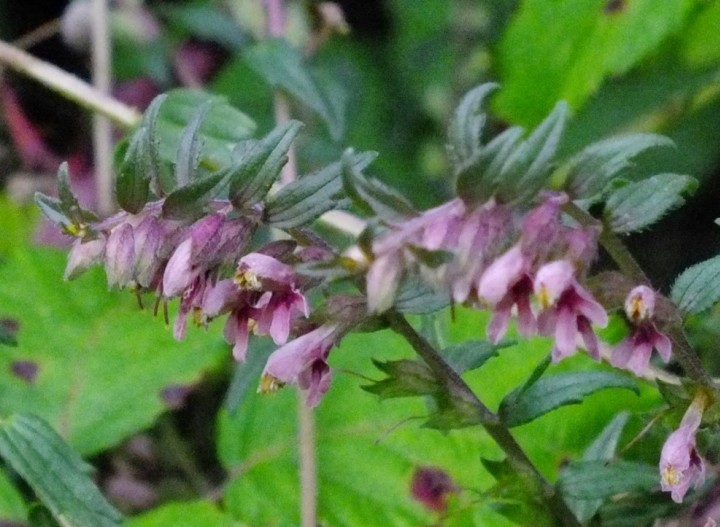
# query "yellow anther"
(544, 297)
(671, 476)
(637, 310)
(269, 384)
(247, 280)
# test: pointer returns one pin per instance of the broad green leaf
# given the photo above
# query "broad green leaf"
(8, 331)
(252, 175)
(55, 472)
(101, 363)
(564, 50)
(281, 66)
(405, 378)
(371, 195)
(638, 205)
(138, 162)
(416, 297)
(206, 22)
(184, 514)
(698, 287)
(593, 480)
(637, 509)
(307, 198)
(223, 128)
(188, 153)
(602, 449)
(553, 391)
(465, 132)
(185, 202)
(12, 504)
(591, 170)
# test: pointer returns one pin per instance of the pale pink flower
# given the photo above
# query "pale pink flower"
(680, 464)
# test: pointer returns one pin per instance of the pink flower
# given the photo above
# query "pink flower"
(303, 362)
(567, 310)
(680, 464)
(634, 352)
(83, 255)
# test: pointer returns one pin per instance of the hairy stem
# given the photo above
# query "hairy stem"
(626, 263)
(68, 85)
(493, 426)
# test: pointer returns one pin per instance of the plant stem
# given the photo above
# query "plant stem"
(493, 426)
(626, 262)
(69, 86)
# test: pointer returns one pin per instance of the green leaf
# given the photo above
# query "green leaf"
(602, 449)
(416, 297)
(405, 378)
(564, 50)
(599, 480)
(55, 472)
(252, 175)
(472, 354)
(8, 330)
(12, 503)
(307, 198)
(185, 514)
(187, 201)
(591, 170)
(466, 126)
(370, 195)
(139, 167)
(79, 336)
(551, 392)
(206, 22)
(698, 287)
(281, 66)
(638, 205)
(188, 154)
(53, 210)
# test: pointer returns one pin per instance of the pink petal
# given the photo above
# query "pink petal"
(565, 334)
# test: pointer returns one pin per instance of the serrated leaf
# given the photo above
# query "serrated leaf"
(406, 378)
(593, 480)
(281, 66)
(252, 175)
(638, 205)
(307, 198)
(550, 392)
(591, 170)
(416, 297)
(187, 201)
(466, 126)
(373, 196)
(188, 154)
(602, 449)
(55, 472)
(698, 287)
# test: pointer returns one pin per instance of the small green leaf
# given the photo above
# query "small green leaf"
(371, 195)
(548, 393)
(405, 378)
(638, 205)
(307, 198)
(591, 170)
(281, 66)
(466, 127)
(188, 154)
(187, 201)
(698, 287)
(599, 480)
(55, 472)
(602, 449)
(416, 297)
(472, 354)
(252, 175)
(53, 211)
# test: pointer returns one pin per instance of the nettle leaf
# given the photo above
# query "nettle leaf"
(513, 169)
(371, 195)
(57, 474)
(637, 205)
(252, 175)
(405, 378)
(550, 392)
(222, 129)
(282, 66)
(602, 449)
(188, 154)
(591, 170)
(137, 162)
(307, 198)
(599, 480)
(698, 287)
(187, 201)
(76, 338)
(416, 297)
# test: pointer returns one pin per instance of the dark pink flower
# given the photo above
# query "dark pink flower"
(567, 310)
(431, 486)
(680, 464)
(635, 351)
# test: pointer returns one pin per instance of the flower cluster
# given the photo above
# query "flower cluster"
(501, 260)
